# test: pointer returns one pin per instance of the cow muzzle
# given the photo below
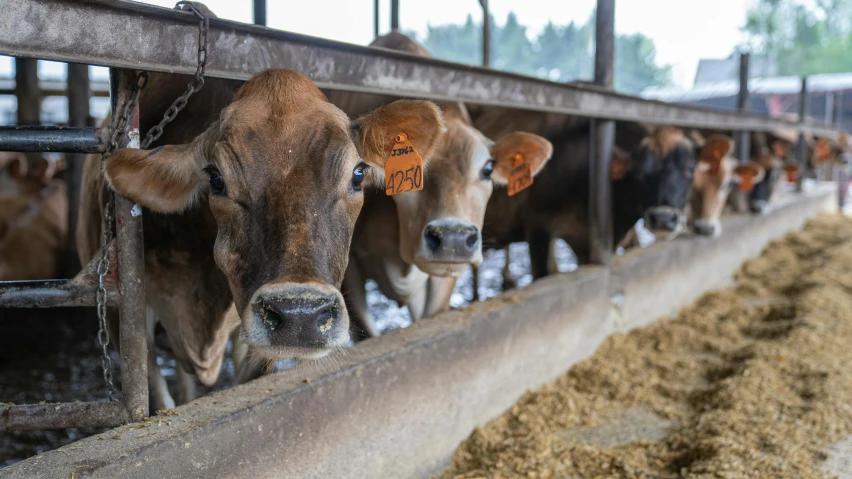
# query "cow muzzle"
(665, 222)
(448, 246)
(301, 320)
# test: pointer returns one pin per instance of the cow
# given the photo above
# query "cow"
(250, 199)
(651, 179)
(716, 174)
(33, 219)
(416, 244)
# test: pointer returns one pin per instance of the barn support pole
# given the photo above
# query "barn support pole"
(743, 137)
(375, 18)
(486, 33)
(78, 116)
(394, 15)
(837, 113)
(828, 116)
(131, 274)
(601, 141)
(28, 93)
(259, 12)
(801, 145)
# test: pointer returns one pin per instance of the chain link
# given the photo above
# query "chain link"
(106, 236)
(109, 209)
(194, 85)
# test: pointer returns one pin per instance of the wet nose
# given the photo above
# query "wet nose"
(705, 228)
(757, 206)
(663, 221)
(304, 318)
(450, 240)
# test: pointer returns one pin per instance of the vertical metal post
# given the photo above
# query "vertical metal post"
(602, 137)
(131, 277)
(259, 12)
(828, 115)
(394, 15)
(486, 33)
(375, 18)
(837, 115)
(78, 115)
(801, 145)
(28, 94)
(744, 137)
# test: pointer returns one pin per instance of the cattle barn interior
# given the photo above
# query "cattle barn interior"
(219, 313)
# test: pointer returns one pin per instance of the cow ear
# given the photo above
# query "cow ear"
(166, 179)
(421, 121)
(823, 150)
(531, 149)
(715, 148)
(620, 164)
(749, 174)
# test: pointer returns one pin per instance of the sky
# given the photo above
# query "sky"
(683, 31)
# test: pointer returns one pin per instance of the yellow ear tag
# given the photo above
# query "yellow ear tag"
(520, 177)
(404, 168)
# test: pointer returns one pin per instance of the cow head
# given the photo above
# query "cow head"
(714, 176)
(663, 166)
(772, 158)
(281, 171)
(440, 226)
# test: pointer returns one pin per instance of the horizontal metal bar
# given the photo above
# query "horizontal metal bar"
(79, 291)
(132, 35)
(54, 87)
(61, 415)
(63, 139)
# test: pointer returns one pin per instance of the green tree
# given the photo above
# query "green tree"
(559, 52)
(800, 40)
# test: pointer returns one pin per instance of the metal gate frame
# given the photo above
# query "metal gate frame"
(127, 36)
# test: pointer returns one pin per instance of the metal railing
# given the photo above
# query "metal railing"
(128, 36)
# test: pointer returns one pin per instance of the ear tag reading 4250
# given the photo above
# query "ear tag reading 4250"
(520, 177)
(404, 168)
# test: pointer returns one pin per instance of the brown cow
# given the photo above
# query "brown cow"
(249, 213)
(33, 219)
(715, 175)
(415, 245)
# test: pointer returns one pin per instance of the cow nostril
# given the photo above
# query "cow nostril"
(471, 240)
(325, 318)
(271, 318)
(433, 239)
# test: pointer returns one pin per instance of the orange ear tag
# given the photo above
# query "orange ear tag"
(404, 168)
(520, 178)
(746, 178)
(791, 172)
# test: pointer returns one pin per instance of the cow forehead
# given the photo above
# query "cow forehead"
(464, 148)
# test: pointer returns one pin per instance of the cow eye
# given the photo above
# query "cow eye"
(488, 169)
(217, 184)
(358, 175)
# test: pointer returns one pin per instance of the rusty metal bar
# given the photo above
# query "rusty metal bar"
(743, 145)
(131, 277)
(134, 35)
(27, 91)
(602, 138)
(53, 87)
(61, 415)
(76, 292)
(63, 139)
(79, 115)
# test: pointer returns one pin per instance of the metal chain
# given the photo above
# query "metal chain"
(194, 85)
(106, 236)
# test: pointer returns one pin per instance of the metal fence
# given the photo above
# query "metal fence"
(128, 36)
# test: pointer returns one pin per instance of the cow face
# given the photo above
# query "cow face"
(440, 226)
(663, 166)
(281, 171)
(771, 158)
(715, 175)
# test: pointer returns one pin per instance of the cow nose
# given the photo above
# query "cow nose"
(757, 206)
(663, 221)
(450, 240)
(305, 318)
(705, 228)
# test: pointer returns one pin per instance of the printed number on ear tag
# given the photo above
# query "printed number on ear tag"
(520, 177)
(404, 168)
